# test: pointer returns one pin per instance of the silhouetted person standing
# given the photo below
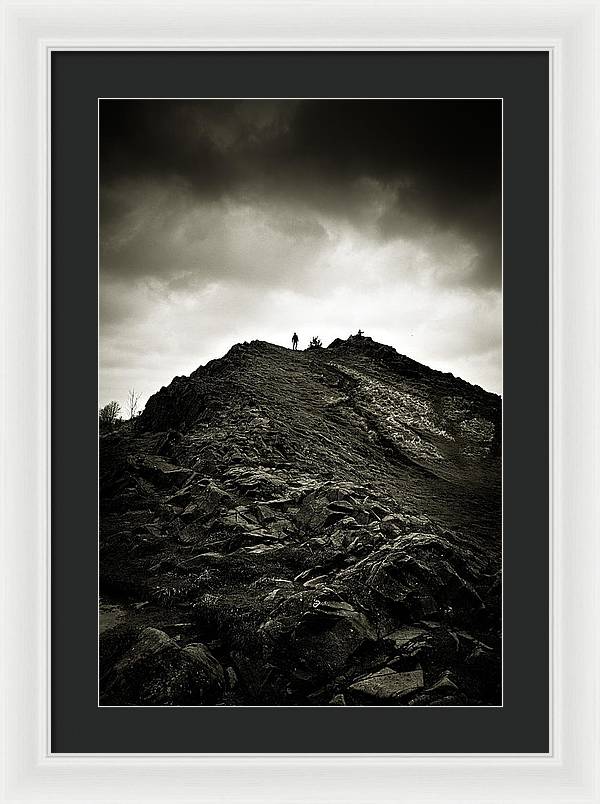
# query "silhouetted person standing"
(360, 333)
(294, 342)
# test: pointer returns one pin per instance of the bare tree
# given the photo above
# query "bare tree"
(132, 403)
(109, 414)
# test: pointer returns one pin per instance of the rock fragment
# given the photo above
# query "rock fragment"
(387, 685)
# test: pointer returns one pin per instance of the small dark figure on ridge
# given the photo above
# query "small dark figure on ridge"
(360, 333)
(294, 342)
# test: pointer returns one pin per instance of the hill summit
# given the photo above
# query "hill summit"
(318, 527)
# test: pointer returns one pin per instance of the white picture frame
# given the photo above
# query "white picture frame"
(570, 32)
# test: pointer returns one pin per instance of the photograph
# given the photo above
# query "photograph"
(300, 376)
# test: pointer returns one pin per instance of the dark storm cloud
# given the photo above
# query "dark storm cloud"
(224, 221)
(438, 161)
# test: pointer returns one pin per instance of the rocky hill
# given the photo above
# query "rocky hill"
(319, 527)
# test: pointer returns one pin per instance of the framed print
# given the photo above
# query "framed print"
(319, 522)
(416, 599)
(300, 455)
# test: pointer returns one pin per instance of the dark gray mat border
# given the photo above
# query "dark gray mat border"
(78, 79)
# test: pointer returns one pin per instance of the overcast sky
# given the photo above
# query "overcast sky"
(225, 221)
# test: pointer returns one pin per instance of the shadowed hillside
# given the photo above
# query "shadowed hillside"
(304, 528)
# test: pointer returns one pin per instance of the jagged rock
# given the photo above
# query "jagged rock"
(423, 571)
(324, 646)
(190, 512)
(261, 548)
(342, 506)
(314, 583)
(143, 666)
(405, 634)
(264, 513)
(312, 572)
(158, 470)
(387, 685)
(443, 685)
(436, 645)
(314, 634)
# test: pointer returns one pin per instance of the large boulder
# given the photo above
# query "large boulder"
(315, 635)
(426, 572)
(144, 667)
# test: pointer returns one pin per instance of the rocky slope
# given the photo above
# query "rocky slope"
(304, 528)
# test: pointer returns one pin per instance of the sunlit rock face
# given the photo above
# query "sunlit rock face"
(325, 524)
